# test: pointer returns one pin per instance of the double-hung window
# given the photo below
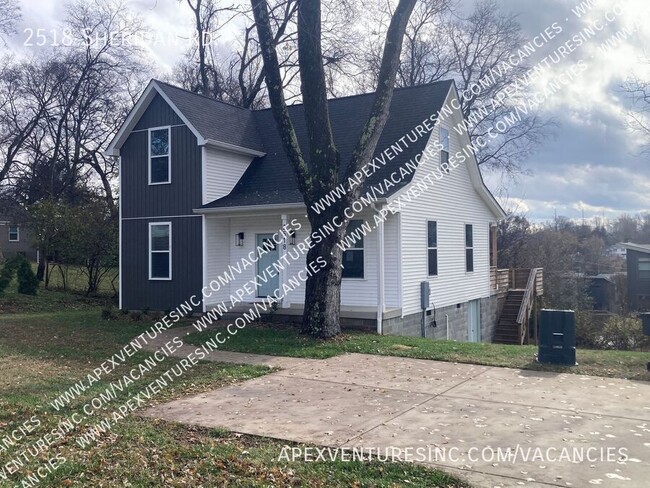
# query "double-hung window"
(644, 269)
(14, 233)
(160, 251)
(469, 247)
(353, 255)
(432, 247)
(159, 156)
(444, 151)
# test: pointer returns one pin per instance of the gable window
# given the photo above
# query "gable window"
(432, 247)
(160, 251)
(644, 269)
(14, 233)
(159, 156)
(469, 248)
(353, 255)
(444, 152)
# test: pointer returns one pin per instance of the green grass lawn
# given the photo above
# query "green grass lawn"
(51, 300)
(287, 341)
(76, 281)
(44, 352)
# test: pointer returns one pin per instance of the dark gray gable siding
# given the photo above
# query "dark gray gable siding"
(179, 197)
(174, 202)
(158, 113)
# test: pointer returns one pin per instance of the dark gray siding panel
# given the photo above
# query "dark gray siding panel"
(158, 113)
(181, 196)
(637, 289)
(187, 271)
(146, 202)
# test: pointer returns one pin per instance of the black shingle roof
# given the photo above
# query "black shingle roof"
(270, 180)
(214, 119)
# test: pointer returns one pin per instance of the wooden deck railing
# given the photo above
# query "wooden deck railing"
(527, 303)
(499, 280)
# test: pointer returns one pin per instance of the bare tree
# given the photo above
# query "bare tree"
(10, 15)
(440, 45)
(318, 174)
(75, 101)
(235, 71)
(638, 94)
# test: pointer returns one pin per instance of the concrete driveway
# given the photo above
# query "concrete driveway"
(458, 414)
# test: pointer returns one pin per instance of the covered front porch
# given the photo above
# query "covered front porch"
(232, 260)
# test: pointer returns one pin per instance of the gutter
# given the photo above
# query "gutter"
(232, 147)
(248, 208)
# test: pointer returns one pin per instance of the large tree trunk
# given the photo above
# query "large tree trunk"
(319, 174)
(321, 317)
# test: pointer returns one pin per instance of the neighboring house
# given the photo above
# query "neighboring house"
(602, 289)
(203, 183)
(14, 235)
(638, 277)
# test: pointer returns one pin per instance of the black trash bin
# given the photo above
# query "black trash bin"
(557, 337)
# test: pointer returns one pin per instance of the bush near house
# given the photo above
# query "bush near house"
(27, 280)
(624, 334)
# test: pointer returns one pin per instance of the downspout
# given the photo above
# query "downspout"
(283, 253)
(380, 271)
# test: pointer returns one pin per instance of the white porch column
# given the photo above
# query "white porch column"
(381, 302)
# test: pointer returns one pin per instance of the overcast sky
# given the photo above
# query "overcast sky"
(594, 163)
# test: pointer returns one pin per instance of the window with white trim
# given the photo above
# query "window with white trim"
(469, 247)
(432, 247)
(353, 256)
(159, 156)
(444, 151)
(14, 233)
(644, 269)
(160, 251)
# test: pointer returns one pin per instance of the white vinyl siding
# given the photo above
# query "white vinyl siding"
(354, 292)
(451, 202)
(223, 169)
(218, 241)
(392, 282)
(221, 251)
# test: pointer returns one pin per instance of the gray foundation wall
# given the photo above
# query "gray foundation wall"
(453, 318)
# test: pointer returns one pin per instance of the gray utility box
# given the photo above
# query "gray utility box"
(557, 337)
(645, 319)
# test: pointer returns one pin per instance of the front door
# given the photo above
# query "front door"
(267, 278)
(474, 321)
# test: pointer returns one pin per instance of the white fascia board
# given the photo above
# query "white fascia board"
(234, 148)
